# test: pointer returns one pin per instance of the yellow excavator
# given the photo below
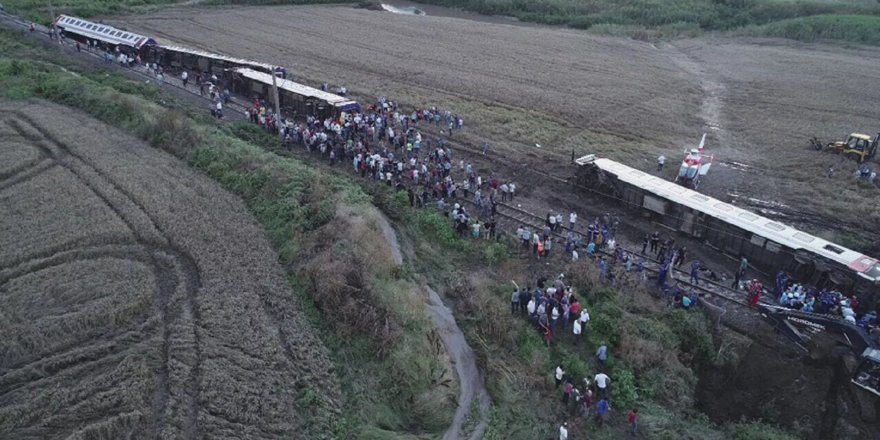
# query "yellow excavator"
(860, 147)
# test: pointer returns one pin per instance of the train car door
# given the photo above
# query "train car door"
(687, 222)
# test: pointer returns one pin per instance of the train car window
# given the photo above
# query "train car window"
(757, 240)
(804, 237)
(832, 248)
(748, 216)
(772, 247)
(126, 36)
(774, 226)
(101, 30)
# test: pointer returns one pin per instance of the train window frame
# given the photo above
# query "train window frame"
(772, 246)
(757, 240)
(832, 248)
(773, 226)
(748, 216)
(806, 238)
(126, 36)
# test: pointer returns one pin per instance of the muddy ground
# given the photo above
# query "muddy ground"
(139, 298)
(520, 85)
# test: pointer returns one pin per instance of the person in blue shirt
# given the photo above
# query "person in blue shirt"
(602, 409)
(695, 272)
(602, 354)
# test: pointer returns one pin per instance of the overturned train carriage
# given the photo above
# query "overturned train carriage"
(295, 99)
(107, 37)
(178, 58)
(768, 245)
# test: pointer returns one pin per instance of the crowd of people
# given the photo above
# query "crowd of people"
(396, 148)
(809, 299)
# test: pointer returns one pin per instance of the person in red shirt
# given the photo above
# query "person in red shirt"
(574, 312)
(633, 419)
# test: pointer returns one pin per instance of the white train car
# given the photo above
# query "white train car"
(767, 244)
(295, 98)
(109, 36)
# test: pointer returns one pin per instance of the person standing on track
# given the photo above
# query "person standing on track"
(695, 272)
(184, 77)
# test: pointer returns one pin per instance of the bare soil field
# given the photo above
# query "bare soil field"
(517, 86)
(139, 299)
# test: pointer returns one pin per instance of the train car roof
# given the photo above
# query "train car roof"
(234, 60)
(299, 89)
(772, 230)
(102, 32)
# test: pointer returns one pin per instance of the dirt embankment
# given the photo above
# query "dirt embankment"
(139, 298)
(773, 381)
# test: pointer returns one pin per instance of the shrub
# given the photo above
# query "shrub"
(496, 253)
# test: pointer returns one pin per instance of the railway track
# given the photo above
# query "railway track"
(515, 217)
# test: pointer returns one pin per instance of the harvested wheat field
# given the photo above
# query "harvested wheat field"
(517, 86)
(139, 299)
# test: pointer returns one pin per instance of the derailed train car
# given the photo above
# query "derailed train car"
(107, 36)
(179, 58)
(768, 244)
(295, 98)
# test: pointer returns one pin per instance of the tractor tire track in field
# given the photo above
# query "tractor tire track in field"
(172, 267)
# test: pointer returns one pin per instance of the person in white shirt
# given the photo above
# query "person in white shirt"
(574, 256)
(602, 380)
(572, 219)
(563, 431)
(584, 319)
(577, 330)
(661, 160)
(560, 373)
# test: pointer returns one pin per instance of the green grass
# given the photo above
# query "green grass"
(853, 28)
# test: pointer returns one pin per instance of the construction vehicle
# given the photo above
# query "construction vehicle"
(862, 340)
(856, 146)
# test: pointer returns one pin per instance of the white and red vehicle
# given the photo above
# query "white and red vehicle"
(694, 165)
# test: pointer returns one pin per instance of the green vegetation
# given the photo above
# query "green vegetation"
(41, 11)
(855, 28)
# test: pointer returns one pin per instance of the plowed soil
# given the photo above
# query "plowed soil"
(139, 299)
(517, 86)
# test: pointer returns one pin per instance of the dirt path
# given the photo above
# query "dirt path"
(473, 394)
(473, 388)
